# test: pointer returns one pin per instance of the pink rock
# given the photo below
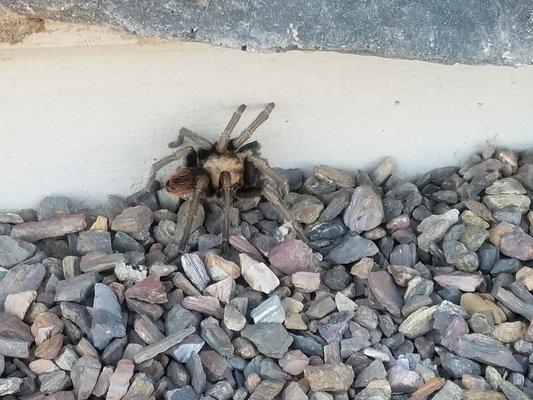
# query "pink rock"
(294, 362)
(55, 227)
(306, 282)
(290, 256)
(150, 290)
(119, 381)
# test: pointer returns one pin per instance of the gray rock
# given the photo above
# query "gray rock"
(94, 240)
(14, 251)
(329, 377)
(197, 374)
(10, 385)
(54, 382)
(135, 221)
(216, 337)
(385, 291)
(84, 376)
(269, 310)
(162, 346)
(352, 249)
(195, 270)
(365, 210)
(98, 262)
(21, 278)
(271, 339)
(106, 317)
(75, 288)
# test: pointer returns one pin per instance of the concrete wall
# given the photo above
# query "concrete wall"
(85, 111)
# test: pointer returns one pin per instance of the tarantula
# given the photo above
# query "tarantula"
(224, 169)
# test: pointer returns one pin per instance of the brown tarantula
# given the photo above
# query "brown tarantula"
(225, 169)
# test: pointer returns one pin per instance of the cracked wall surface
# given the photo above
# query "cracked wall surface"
(452, 31)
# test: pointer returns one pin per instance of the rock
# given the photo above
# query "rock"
(353, 248)
(474, 303)
(150, 290)
(45, 326)
(332, 327)
(106, 317)
(119, 381)
(135, 221)
(84, 376)
(434, 227)
(343, 303)
(99, 262)
(216, 337)
(195, 270)
(365, 210)
(10, 385)
(14, 251)
(513, 241)
(266, 390)
(219, 268)
(458, 255)
(329, 377)
(50, 228)
(233, 319)
(306, 282)
(418, 323)
(428, 388)
(362, 268)
(75, 288)
(403, 380)
(383, 288)
(294, 362)
(17, 304)
(513, 303)
(94, 240)
(54, 382)
(49, 348)
(291, 256)
(162, 345)
(271, 339)
(208, 305)
(305, 208)
(509, 332)
(375, 370)
(269, 310)
(293, 392)
(463, 282)
(258, 275)
(512, 392)
(484, 349)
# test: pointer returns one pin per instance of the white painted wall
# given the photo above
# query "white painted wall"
(84, 111)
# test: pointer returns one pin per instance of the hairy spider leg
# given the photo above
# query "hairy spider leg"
(250, 129)
(262, 165)
(225, 189)
(284, 211)
(224, 139)
(202, 183)
(195, 138)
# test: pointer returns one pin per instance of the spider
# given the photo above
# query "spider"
(223, 169)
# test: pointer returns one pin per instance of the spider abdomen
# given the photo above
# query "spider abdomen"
(227, 161)
(182, 183)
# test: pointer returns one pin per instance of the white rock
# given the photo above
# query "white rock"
(258, 275)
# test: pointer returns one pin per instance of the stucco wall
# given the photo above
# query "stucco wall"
(84, 111)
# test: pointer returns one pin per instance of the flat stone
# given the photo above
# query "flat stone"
(98, 262)
(499, 201)
(84, 376)
(375, 370)
(141, 387)
(474, 303)
(162, 346)
(352, 249)
(233, 319)
(54, 382)
(513, 241)
(195, 270)
(258, 275)
(49, 348)
(403, 380)
(343, 303)
(294, 362)
(514, 303)
(509, 332)
(119, 381)
(219, 268)
(106, 317)
(418, 323)
(267, 390)
(216, 337)
(293, 391)
(269, 310)
(305, 208)
(17, 304)
(45, 326)
(75, 288)
(362, 268)
(290, 256)
(135, 221)
(525, 275)
(365, 210)
(94, 240)
(434, 227)
(10, 385)
(150, 290)
(50, 228)
(223, 290)
(21, 278)
(463, 282)
(14, 251)
(271, 339)
(385, 291)
(486, 350)
(306, 282)
(207, 305)
(333, 326)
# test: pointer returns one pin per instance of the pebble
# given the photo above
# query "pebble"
(365, 210)
(14, 251)
(271, 339)
(329, 377)
(384, 289)
(135, 221)
(354, 248)
(219, 268)
(106, 317)
(18, 303)
(418, 323)
(119, 380)
(258, 275)
(50, 228)
(195, 270)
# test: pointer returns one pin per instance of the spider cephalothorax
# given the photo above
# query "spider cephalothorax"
(223, 169)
